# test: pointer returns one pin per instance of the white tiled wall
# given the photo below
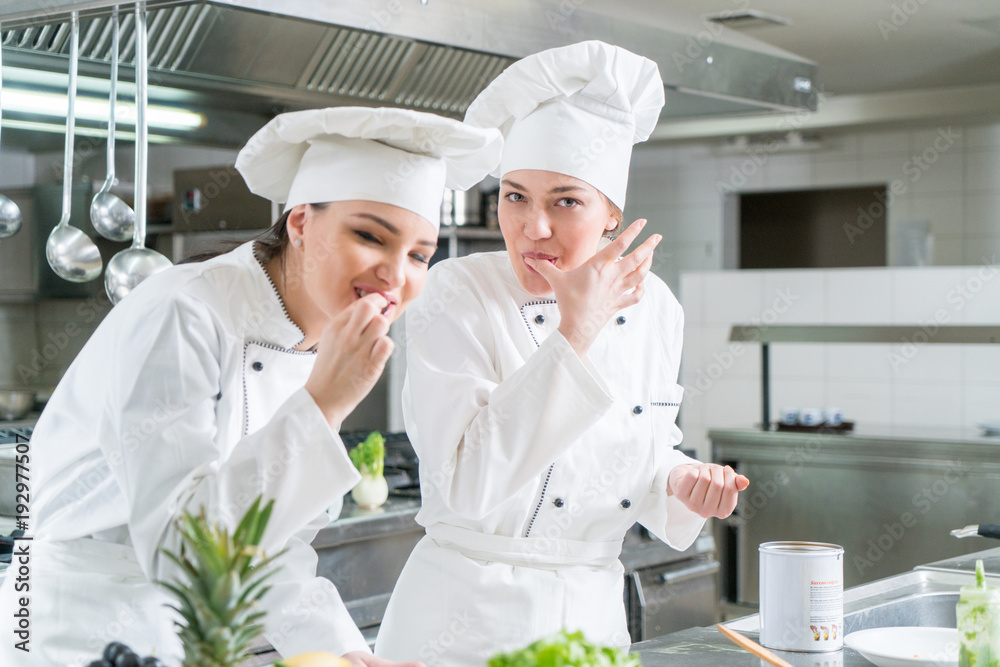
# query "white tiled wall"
(956, 190)
(933, 385)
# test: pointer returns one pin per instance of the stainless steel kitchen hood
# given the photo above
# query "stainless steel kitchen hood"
(257, 57)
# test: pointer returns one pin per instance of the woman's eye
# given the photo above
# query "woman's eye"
(423, 259)
(367, 236)
(568, 202)
(514, 196)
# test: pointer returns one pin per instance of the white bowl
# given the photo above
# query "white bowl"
(907, 646)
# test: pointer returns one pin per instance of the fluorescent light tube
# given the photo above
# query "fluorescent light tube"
(56, 128)
(89, 108)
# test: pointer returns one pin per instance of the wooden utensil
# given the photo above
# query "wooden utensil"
(752, 646)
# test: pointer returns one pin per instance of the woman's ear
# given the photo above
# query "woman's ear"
(296, 222)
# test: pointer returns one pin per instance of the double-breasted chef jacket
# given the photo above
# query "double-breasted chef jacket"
(534, 462)
(188, 395)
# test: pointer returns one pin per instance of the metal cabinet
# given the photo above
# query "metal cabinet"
(18, 271)
(890, 500)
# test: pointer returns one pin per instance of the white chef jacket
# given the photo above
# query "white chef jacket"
(534, 463)
(188, 395)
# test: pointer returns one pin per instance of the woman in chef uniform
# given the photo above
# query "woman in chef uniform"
(541, 385)
(216, 382)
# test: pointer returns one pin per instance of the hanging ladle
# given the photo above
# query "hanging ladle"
(10, 214)
(112, 218)
(131, 266)
(71, 253)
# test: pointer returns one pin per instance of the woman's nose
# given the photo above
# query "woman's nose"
(391, 271)
(537, 225)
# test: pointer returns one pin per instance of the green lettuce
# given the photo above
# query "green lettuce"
(369, 456)
(565, 649)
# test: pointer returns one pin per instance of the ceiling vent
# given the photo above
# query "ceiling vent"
(739, 19)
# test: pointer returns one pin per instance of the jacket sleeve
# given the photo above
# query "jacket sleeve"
(481, 438)
(167, 454)
(664, 515)
(306, 612)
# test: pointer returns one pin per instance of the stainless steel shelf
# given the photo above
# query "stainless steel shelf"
(471, 232)
(952, 334)
(848, 333)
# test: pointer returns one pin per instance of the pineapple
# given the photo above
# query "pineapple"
(222, 579)
(314, 659)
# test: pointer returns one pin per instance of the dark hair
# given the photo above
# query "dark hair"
(270, 244)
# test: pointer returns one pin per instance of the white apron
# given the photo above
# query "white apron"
(85, 593)
(188, 395)
(533, 464)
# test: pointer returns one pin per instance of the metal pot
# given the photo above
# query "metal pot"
(8, 471)
(16, 403)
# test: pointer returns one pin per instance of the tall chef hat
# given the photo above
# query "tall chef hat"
(575, 110)
(392, 156)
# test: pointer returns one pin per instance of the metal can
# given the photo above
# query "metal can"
(802, 596)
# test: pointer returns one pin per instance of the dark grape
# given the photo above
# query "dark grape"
(151, 662)
(127, 659)
(113, 650)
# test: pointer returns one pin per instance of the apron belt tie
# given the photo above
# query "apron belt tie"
(538, 552)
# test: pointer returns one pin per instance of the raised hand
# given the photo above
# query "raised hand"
(707, 489)
(590, 294)
(352, 351)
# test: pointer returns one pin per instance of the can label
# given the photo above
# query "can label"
(801, 596)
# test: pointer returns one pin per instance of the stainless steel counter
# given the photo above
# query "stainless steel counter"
(884, 603)
(888, 496)
(363, 551)
(354, 523)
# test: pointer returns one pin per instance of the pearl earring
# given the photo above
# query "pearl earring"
(297, 243)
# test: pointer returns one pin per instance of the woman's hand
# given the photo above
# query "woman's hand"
(363, 659)
(707, 489)
(353, 350)
(590, 294)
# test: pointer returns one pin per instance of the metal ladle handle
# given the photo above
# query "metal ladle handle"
(74, 54)
(1, 73)
(141, 138)
(110, 179)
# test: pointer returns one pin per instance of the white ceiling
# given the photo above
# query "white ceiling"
(879, 61)
(865, 46)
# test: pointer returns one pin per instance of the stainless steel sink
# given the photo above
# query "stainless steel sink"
(924, 598)
(935, 610)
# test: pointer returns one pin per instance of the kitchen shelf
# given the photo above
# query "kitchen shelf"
(456, 233)
(845, 333)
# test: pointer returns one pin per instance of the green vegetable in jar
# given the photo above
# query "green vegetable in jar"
(565, 649)
(369, 456)
(978, 615)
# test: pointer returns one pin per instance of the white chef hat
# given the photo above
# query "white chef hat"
(575, 110)
(392, 156)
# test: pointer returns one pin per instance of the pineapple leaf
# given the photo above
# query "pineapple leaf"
(222, 576)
